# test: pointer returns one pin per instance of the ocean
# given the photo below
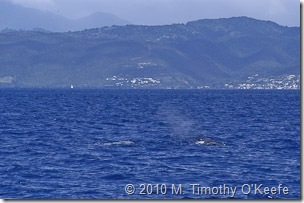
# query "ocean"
(149, 144)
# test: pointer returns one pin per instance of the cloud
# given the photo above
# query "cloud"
(39, 4)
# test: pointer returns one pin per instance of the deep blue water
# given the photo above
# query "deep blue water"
(89, 144)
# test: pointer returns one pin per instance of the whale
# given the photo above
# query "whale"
(208, 141)
(118, 143)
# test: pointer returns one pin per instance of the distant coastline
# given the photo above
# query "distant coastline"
(226, 53)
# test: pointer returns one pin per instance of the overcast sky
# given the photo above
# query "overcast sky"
(157, 12)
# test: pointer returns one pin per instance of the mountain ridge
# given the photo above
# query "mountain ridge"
(19, 17)
(202, 53)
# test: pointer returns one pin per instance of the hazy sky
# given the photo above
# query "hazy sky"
(152, 12)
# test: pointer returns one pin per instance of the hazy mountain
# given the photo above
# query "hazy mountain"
(18, 17)
(199, 53)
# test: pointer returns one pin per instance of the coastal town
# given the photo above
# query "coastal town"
(275, 82)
